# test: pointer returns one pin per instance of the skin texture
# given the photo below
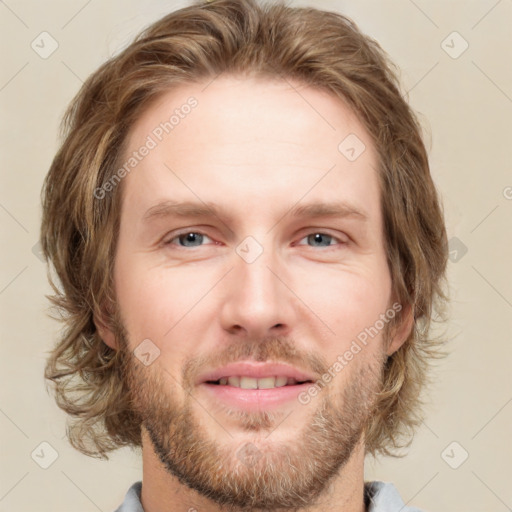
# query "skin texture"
(256, 148)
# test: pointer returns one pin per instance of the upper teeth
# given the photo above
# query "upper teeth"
(252, 383)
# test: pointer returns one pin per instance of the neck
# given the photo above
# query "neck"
(162, 491)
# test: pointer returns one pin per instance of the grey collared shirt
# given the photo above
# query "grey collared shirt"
(380, 496)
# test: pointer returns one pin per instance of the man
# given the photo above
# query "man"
(250, 249)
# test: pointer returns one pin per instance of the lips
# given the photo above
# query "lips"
(255, 386)
(250, 374)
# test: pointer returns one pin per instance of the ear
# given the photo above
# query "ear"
(401, 331)
(105, 331)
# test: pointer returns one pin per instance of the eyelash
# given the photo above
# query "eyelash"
(196, 232)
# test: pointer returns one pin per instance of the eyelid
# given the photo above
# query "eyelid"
(303, 234)
(343, 240)
(175, 234)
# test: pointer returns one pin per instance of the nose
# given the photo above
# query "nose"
(257, 302)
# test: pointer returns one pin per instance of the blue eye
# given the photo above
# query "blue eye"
(188, 239)
(191, 239)
(323, 239)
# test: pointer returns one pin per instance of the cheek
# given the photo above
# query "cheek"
(352, 307)
(346, 301)
(157, 301)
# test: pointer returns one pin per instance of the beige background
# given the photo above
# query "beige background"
(466, 105)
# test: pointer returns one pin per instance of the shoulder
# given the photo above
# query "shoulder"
(384, 497)
(131, 501)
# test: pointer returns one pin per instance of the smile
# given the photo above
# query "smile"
(245, 382)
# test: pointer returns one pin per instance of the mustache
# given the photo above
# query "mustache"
(277, 349)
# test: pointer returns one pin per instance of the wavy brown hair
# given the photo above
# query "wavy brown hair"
(320, 49)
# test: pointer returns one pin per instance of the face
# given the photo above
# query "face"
(251, 247)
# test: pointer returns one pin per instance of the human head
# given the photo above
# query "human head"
(324, 51)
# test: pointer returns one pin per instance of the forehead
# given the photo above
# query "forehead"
(251, 143)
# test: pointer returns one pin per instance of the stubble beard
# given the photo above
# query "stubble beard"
(254, 474)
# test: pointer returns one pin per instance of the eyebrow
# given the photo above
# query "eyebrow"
(194, 209)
